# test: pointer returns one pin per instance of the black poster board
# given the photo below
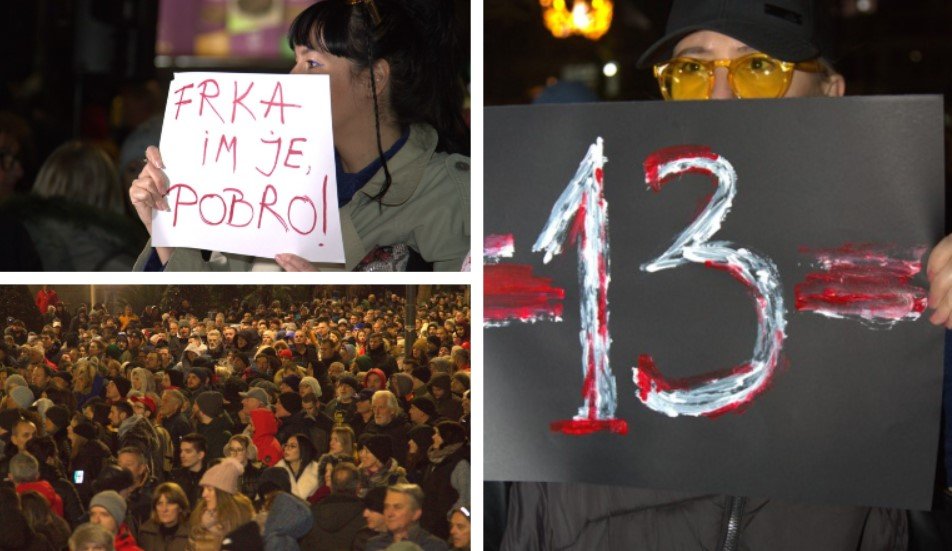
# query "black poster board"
(851, 413)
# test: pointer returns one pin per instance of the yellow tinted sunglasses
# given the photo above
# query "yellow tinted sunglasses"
(754, 75)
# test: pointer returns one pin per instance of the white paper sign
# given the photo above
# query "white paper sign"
(250, 161)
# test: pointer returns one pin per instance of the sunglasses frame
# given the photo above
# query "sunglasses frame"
(786, 71)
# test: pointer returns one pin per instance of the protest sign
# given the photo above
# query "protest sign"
(250, 161)
(719, 297)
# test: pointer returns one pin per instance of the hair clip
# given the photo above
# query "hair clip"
(371, 9)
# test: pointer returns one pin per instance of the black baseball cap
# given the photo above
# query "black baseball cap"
(790, 30)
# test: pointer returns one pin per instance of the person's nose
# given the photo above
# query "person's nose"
(722, 87)
(296, 69)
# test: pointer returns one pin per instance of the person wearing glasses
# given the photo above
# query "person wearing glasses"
(241, 448)
(399, 135)
(732, 49)
(300, 460)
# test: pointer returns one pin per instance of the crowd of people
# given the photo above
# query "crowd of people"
(324, 425)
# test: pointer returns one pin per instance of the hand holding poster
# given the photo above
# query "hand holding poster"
(250, 162)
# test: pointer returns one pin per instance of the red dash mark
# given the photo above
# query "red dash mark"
(498, 246)
(512, 293)
(578, 427)
(867, 282)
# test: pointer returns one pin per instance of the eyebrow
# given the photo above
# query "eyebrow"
(696, 50)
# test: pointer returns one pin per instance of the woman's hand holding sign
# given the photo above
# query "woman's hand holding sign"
(148, 192)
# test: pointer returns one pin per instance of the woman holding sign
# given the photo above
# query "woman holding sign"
(399, 136)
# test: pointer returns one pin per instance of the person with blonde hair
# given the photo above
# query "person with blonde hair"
(222, 507)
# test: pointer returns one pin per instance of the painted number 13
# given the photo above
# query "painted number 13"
(581, 213)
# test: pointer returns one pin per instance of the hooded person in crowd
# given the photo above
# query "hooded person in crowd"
(447, 404)
(212, 422)
(264, 427)
(446, 482)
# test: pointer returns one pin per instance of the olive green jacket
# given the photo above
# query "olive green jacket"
(427, 208)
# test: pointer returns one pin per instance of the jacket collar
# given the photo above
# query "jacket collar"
(406, 167)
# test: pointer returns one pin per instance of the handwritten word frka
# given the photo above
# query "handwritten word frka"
(250, 161)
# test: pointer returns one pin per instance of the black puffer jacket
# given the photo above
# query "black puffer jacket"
(583, 517)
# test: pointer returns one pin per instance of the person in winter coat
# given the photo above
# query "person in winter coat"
(36, 510)
(340, 516)
(43, 448)
(447, 405)
(264, 426)
(25, 473)
(288, 520)
(300, 460)
(222, 507)
(244, 450)
(88, 458)
(108, 509)
(212, 422)
(378, 467)
(446, 483)
(167, 528)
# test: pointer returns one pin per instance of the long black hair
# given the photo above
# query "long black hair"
(418, 40)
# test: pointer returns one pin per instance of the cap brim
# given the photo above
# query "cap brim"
(776, 41)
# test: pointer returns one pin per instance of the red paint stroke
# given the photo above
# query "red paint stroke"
(868, 282)
(498, 246)
(580, 427)
(662, 156)
(512, 293)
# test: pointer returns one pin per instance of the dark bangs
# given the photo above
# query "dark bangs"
(330, 26)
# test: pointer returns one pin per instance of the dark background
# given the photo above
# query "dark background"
(67, 65)
(896, 47)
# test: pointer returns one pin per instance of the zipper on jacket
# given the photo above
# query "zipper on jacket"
(735, 507)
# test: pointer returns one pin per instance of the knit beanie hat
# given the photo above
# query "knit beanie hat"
(273, 478)
(451, 432)
(58, 415)
(199, 372)
(292, 381)
(462, 378)
(210, 402)
(381, 445)
(123, 385)
(422, 372)
(350, 381)
(87, 430)
(440, 380)
(176, 377)
(14, 380)
(291, 402)
(426, 405)
(422, 435)
(364, 363)
(374, 498)
(403, 384)
(112, 502)
(22, 395)
(224, 475)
